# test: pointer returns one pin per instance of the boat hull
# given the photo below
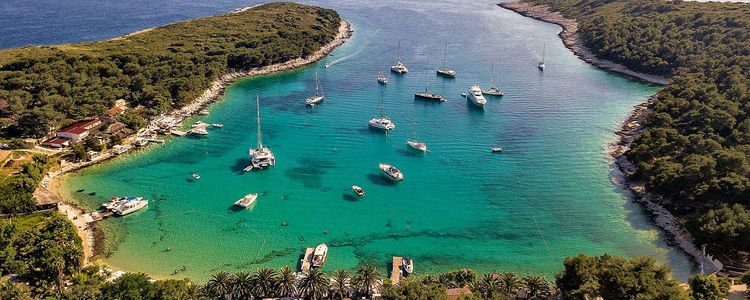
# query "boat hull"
(391, 172)
(430, 97)
(447, 73)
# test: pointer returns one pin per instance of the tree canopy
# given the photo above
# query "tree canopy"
(695, 150)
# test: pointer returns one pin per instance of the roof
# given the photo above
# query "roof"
(115, 111)
(55, 141)
(115, 127)
(44, 196)
(80, 126)
(457, 292)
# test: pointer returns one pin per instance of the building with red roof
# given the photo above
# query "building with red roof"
(79, 130)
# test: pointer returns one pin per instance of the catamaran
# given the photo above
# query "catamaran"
(414, 144)
(319, 255)
(493, 91)
(260, 157)
(427, 95)
(475, 95)
(541, 63)
(383, 122)
(246, 201)
(391, 172)
(445, 72)
(312, 101)
(399, 67)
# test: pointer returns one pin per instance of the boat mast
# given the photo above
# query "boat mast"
(257, 105)
(318, 88)
(427, 76)
(544, 49)
(445, 50)
(398, 52)
(492, 76)
(381, 104)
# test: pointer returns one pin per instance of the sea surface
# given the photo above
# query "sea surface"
(547, 196)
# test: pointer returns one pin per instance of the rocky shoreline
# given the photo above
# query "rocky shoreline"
(89, 232)
(676, 235)
(571, 40)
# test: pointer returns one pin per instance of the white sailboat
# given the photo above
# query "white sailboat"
(382, 79)
(445, 72)
(427, 95)
(383, 122)
(260, 157)
(312, 101)
(399, 67)
(492, 90)
(414, 143)
(541, 63)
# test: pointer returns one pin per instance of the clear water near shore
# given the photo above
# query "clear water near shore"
(546, 197)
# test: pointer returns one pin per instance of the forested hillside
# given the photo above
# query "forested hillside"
(49, 86)
(696, 148)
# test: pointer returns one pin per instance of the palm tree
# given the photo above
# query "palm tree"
(286, 285)
(220, 286)
(243, 285)
(509, 283)
(536, 287)
(366, 279)
(488, 286)
(428, 279)
(265, 281)
(313, 284)
(340, 284)
(447, 280)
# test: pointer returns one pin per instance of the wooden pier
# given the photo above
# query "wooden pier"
(398, 261)
(306, 259)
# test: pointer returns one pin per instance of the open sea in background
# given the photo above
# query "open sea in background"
(548, 196)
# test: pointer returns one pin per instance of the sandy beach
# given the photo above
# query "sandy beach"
(85, 227)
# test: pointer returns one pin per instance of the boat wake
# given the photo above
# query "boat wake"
(345, 58)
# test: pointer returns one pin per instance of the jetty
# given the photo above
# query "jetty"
(306, 259)
(396, 273)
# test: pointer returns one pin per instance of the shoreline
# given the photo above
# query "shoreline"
(571, 40)
(675, 235)
(88, 231)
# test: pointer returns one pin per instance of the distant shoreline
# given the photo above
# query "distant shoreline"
(676, 235)
(569, 36)
(70, 209)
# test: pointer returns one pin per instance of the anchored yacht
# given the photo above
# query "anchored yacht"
(382, 122)
(493, 91)
(399, 67)
(130, 206)
(475, 95)
(246, 201)
(445, 72)
(320, 255)
(260, 157)
(312, 101)
(391, 172)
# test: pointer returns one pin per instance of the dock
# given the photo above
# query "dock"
(398, 261)
(178, 133)
(306, 259)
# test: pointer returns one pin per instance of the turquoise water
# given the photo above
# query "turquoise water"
(548, 196)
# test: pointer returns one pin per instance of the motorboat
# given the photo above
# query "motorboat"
(475, 95)
(391, 172)
(319, 255)
(260, 157)
(359, 191)
(131, 206)
(421, 146)
(497, 149)
(408, 265)
(217, 125)
(247, 200)
(196, 176)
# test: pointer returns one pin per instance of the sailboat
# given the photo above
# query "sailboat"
(414, 144)
(445, 72)
(541, 63)
(382, 79)
(492, 90)
(426, 95)
(312, 101)
(383, 122)
(399, 67)
(260, 157)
